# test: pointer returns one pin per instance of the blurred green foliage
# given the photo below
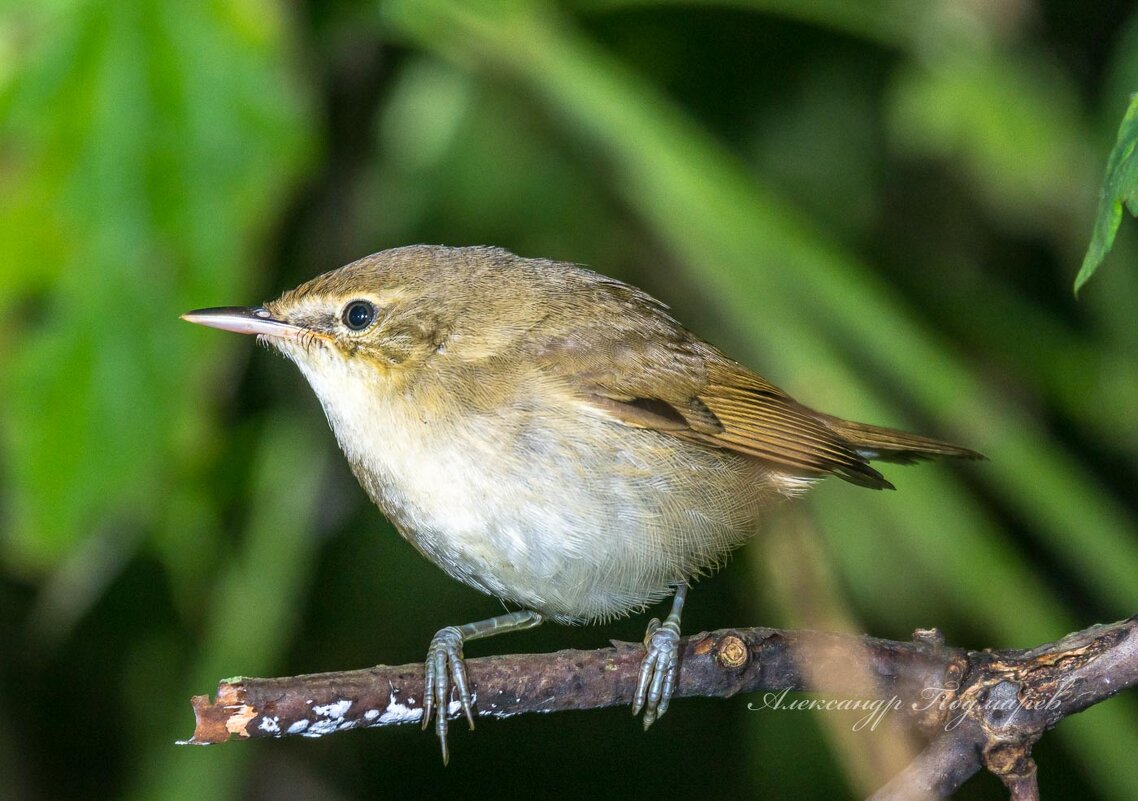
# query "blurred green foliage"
(879, 205)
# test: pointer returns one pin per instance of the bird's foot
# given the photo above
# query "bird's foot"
(444, 665)
(659, 669)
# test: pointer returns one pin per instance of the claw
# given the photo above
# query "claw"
(657, 678)
(656, 681)
(646, 668)
(443, 666)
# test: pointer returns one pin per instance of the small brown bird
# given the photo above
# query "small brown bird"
(551, 437)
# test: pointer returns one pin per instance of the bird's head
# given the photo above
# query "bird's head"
(386, 319)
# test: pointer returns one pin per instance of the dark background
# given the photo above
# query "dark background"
(881, 206)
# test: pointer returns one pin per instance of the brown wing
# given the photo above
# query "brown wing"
(761, 420)
(640, 367)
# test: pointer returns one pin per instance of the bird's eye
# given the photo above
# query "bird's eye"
(358, 315)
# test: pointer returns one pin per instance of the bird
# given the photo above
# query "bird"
(552, 437)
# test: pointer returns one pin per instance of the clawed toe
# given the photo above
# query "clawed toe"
(660, 668)
(658, 671)
(445, 665)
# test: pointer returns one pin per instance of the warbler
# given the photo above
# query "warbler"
(551, 437)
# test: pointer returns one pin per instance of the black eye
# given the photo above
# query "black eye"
(358, 315)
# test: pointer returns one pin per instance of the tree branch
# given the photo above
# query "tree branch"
(979, 708)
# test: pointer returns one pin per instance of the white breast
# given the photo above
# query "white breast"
(582, 520)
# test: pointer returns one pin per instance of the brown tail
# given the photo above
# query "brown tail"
(891, 445)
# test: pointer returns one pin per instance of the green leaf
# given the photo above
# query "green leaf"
(145, 145)
(1121, 186)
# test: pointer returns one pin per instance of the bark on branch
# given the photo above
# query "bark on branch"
(977, 708)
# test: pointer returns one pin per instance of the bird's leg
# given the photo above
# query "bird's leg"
(446, 648)
(661, 664)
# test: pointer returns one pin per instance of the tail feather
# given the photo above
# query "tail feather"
(891, 445)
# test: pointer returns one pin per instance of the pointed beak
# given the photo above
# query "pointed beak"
(244, 320)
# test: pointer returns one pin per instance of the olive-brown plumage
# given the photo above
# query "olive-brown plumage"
(551, 436)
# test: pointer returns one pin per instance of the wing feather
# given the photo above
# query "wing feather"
(621, 355)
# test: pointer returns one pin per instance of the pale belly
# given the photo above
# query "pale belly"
(547, 521)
